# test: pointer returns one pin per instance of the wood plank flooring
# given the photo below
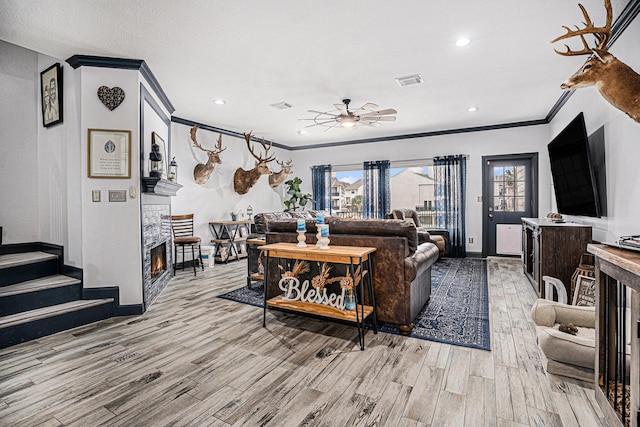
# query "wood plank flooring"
(196, 360)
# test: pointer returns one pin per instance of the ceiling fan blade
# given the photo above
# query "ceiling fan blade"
(322, 112)
(341, 107)
(324, 123)
(382, 119)
(331, 127)
(379, 113)
(368, 106)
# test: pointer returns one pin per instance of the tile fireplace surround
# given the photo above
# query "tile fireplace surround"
(156, 229)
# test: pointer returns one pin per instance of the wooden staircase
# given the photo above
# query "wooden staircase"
(37, 300)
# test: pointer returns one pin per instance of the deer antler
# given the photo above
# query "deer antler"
(218, 149)
(266, 159)
(601, 34)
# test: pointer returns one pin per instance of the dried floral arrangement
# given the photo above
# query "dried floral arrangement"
(299, 267)
(347, 282)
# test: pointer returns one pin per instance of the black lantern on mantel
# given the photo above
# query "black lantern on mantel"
(172, 175)
(155, 162)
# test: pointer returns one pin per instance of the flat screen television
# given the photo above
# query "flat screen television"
(573, 172)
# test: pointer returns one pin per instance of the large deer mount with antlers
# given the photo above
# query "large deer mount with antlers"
(202, 172)
(616, 81)
(244, 180)
(276, 179)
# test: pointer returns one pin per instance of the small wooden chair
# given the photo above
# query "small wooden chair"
(182, 226)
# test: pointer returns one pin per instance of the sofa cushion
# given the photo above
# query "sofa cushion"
(261, 220)
(376, 227)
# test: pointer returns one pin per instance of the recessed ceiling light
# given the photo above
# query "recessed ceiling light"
(219, 101)
(302, 132)
(462, 41)
(472, 109)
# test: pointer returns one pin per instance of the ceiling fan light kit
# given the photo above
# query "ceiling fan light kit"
(343, 117)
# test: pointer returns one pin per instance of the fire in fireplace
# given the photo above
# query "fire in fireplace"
(158, 260)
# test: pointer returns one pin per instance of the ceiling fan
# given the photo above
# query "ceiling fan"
(341, 116)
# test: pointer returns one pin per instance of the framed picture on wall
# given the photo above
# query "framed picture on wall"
(51, 95)
(109, 153)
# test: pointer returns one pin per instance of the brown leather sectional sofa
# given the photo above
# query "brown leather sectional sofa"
(401, 270)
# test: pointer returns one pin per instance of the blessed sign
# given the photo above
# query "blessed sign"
(294, 291)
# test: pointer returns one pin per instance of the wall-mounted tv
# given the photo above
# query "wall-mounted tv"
(573, 171)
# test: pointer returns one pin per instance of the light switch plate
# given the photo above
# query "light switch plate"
(95, 195)
(117, 195)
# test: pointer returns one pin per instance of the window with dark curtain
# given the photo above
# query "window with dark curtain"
(377, 195)
(321, 187)
(450, 196)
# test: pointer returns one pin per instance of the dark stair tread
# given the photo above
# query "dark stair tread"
(43, 283)
(54, 310)
(24, 258)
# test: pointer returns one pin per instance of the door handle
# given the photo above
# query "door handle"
(490, 215)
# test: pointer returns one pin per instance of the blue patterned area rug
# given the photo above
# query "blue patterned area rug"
(458, 312)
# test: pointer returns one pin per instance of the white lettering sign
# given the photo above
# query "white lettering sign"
(294, 291)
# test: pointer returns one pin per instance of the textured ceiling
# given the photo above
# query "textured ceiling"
(313, 54)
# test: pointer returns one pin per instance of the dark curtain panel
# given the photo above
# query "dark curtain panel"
(321, 187)
(450, 191)
(377, 195)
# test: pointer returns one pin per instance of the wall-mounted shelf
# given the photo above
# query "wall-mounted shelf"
(159, 186)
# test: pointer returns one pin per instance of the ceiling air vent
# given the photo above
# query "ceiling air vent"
(409, 80)
(281, 105)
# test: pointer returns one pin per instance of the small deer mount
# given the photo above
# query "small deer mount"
(202, 172)
(276, 179)
(244, 180)
(616, 81)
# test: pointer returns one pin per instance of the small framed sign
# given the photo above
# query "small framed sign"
(109, 153)
(51, 95)
(585, 293)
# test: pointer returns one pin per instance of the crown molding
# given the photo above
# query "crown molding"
(77, 61)
(204, 126)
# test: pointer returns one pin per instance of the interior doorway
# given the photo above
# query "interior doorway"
(509, 193)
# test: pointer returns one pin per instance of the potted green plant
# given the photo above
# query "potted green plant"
(297, 199)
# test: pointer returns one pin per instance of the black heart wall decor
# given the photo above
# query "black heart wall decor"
(111, 97)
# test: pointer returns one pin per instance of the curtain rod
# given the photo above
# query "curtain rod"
(394, 163)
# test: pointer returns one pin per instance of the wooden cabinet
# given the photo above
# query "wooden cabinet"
(617, 379)
(552, 249)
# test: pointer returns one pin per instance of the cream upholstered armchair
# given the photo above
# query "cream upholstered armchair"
(564, 354)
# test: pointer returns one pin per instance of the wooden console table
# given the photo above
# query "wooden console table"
(231, 236)
(617, 373)
(349, 255)
(552, 249)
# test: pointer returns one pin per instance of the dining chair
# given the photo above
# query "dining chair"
(182, 227)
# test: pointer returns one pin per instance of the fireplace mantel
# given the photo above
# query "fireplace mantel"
(159, 186)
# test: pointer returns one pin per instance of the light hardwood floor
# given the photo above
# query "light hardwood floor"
(194, 359)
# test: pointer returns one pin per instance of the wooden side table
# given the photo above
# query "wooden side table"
(349, 255)
(254, 272)
(230, 236)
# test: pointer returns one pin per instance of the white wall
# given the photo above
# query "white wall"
(111, 238)
(19, 163)
(622, 146)
(506, 141)
(59, 164)
(214, 200)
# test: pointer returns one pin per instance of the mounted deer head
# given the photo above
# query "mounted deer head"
(202, 172)
(617, 82)
(276, 179)
(244, 180)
